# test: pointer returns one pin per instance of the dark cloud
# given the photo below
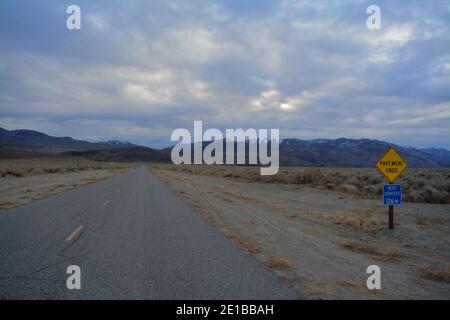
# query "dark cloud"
(139, 69)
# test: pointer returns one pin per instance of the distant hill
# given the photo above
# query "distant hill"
(345, 152)
(6, 153)
(440, 155)
(130, 154)
(29, 140)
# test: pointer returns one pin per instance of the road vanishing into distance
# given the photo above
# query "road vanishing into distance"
(132, 239)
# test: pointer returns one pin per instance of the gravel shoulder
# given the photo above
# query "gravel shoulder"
(16, 191)
(321, 242)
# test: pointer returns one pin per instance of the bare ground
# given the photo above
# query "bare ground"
(322, 241)
(26, 180)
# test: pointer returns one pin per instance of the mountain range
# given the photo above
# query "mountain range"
(30, 140)
(342, 152)
(345, 152)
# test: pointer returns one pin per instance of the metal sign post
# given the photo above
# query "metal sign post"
(391, 217)
(392, 195)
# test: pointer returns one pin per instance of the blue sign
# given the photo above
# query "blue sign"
(392, 194)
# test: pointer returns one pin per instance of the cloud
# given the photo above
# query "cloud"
(98, 22)
(141, 69)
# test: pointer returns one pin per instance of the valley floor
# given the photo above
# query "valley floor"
(319, 241)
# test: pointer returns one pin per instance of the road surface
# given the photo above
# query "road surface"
(132, 239)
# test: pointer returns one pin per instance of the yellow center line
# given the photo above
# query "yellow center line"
(74, 233)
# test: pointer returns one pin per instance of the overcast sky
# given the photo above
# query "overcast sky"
(139, 69)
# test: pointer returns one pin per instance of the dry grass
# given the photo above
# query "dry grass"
(29, 167)
(426, 221)
(349, 188)
(278, 263)
(438, 275)
(239, 195)
(361, 287)
(420, 185)
(7, 205)
(388, 255)
(408, 245)
(250, 246)
(349, 284)
(359, 221)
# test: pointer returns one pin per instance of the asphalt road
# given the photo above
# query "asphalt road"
(132, 239)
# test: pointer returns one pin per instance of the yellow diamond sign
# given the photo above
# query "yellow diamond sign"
(391, 164)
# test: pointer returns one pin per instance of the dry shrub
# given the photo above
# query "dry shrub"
(278, 263)
(13, 172)
(279, 178)
(419, 185)
(227, 174)
(374, 180)
(34, 166)
(348, 188)
(371, 189)
(309, 176)
(354, 181)
(432, 195)
(7, 205)
(359, 247)
(250, 246)
(330, 186)
(358, 220)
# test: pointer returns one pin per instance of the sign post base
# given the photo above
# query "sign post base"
(391, 217)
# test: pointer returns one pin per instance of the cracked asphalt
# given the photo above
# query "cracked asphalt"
(132, 239)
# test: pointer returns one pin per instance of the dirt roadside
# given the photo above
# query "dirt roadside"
(19, 190)
(321, 242)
